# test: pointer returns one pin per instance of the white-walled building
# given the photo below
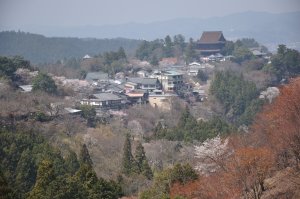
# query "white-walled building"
(170, 80)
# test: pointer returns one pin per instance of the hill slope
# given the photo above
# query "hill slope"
(39, 49)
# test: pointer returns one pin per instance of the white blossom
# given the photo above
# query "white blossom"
(210, 154)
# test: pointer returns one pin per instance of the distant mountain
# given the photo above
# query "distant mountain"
(41, 49)
(268, 29)
(264, 27)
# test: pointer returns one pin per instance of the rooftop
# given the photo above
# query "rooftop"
(92, 76)
(106, 96)
(212, 37)
(87, 57)
(138, 80)
(171, 72)
(26, 88)
(163, 95)
(194, 64)
(167, 72)
(71, 110)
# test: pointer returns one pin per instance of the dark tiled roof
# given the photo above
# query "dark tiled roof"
(211, 37)
(96, 76)
(143, 81)
(106, 96)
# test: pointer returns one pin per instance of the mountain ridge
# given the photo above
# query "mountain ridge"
(263, 26)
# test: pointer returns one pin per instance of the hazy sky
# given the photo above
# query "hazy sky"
(17, 13)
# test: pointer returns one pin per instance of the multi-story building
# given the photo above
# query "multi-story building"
(103, 101)
(211, 42)
(170, 80)
(147, 84)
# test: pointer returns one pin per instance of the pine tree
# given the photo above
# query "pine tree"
(154, 61)
(45, 176)
(45, 83)
(72, 162)
(25, 172)
(140, 156)
(190, 52)
(121, 53)
(185, 117)
(146, 170)
(5, 190)
(168, 44)
(128, 160)
(84, 156)
(87, 176)
(141, 161)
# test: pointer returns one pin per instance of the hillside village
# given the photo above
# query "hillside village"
(158, 87)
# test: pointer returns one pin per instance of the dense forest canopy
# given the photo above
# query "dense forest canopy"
(31, 168)
(41, 49)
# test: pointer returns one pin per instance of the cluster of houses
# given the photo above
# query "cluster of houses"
(157, 88)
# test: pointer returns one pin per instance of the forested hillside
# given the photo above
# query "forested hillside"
(263, 163)
(40, 49)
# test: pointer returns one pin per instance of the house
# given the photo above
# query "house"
(162, 101)
(211, 42)
(26, 88)
(215, 57)
(193, 72)
(142, 73)
(147, 84)
(194, 64)
(96, 77)
(71, 111)
(130, 86)
(200, 93)
(103, 101)
(87, 57)
(168, 61)
(258, 53)
(194, 67)
(170, 80)
(137, 96)
(114, 88)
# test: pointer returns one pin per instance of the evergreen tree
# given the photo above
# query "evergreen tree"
(142, 162)
(202, 76)
(128, 161)
(228, 48)
(190, 53)
(168, 47)
(87, 176)
(121, 53)
(179, 41)
(9, 65)
(146, 170)
(5, 191)
(84, 156)
(25, 173)
(89, 113)
(154, 61)
(75, 188)
(45, 83)
(140, 156)
(72, 162)
(185, 118)
(45, 176)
